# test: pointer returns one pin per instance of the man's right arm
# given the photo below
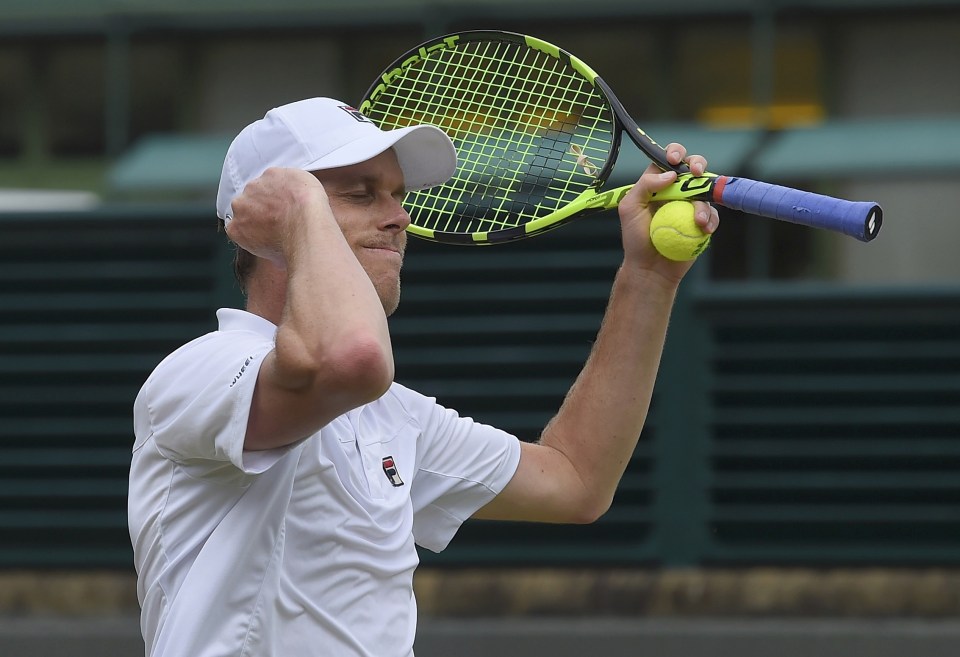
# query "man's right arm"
(333, 350)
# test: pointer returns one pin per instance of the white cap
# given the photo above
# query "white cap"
(323, 133)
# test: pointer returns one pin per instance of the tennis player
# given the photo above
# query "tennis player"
(280, 477)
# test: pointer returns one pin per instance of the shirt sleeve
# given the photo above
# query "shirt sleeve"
(462, 465)
(195, 405)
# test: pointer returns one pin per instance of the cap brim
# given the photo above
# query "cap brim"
(426, 155)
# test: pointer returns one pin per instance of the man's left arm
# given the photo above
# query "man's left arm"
(572, 472)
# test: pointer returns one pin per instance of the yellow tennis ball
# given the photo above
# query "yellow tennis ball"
(675, 234)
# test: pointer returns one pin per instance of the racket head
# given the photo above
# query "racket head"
(535, 136)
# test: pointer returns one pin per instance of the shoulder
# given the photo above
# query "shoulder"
(222, 356)
(238, 332)
(202, 387)
(205, 352)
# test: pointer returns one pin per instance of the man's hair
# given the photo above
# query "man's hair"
(243, 262)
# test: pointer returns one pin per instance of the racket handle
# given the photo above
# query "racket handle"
(858, 219)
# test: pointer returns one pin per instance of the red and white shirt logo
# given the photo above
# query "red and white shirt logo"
(390, 469)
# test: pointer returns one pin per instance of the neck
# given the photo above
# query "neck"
(266, 292)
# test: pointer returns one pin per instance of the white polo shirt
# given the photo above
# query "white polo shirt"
(306, 550)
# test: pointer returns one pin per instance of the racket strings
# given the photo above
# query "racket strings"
(531, 133)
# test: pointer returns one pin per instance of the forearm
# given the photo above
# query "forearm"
(331, 308)
(599, 422)
(573, 471)
(332, 349)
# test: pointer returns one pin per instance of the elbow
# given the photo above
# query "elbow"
(365, 366)
(591, 509)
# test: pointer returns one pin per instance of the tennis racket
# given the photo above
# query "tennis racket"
(537, 134)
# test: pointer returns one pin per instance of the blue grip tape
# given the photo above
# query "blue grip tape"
(860, 219)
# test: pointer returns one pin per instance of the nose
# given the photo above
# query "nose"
(396, 217)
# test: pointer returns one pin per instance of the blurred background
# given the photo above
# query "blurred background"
(797, 488)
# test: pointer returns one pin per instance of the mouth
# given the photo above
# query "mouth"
(385, 250)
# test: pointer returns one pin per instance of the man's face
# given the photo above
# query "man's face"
(365, 199)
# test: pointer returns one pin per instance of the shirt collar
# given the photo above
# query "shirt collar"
(232, 319)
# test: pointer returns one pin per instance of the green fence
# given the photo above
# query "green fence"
(792, 424)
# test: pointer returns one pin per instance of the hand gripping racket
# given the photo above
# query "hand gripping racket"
(537, 134)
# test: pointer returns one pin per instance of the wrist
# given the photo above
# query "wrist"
(310, 231)
(649, 280)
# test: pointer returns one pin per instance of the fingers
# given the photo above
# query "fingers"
(277, 193)
(655, 180)
(269, 211)
(652, 181)
(677, 153)
(706, 216)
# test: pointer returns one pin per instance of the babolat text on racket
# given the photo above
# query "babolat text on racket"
(537, 134)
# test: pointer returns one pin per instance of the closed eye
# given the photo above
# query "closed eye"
(359, 197)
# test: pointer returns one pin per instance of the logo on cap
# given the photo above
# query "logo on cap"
(355, 113)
